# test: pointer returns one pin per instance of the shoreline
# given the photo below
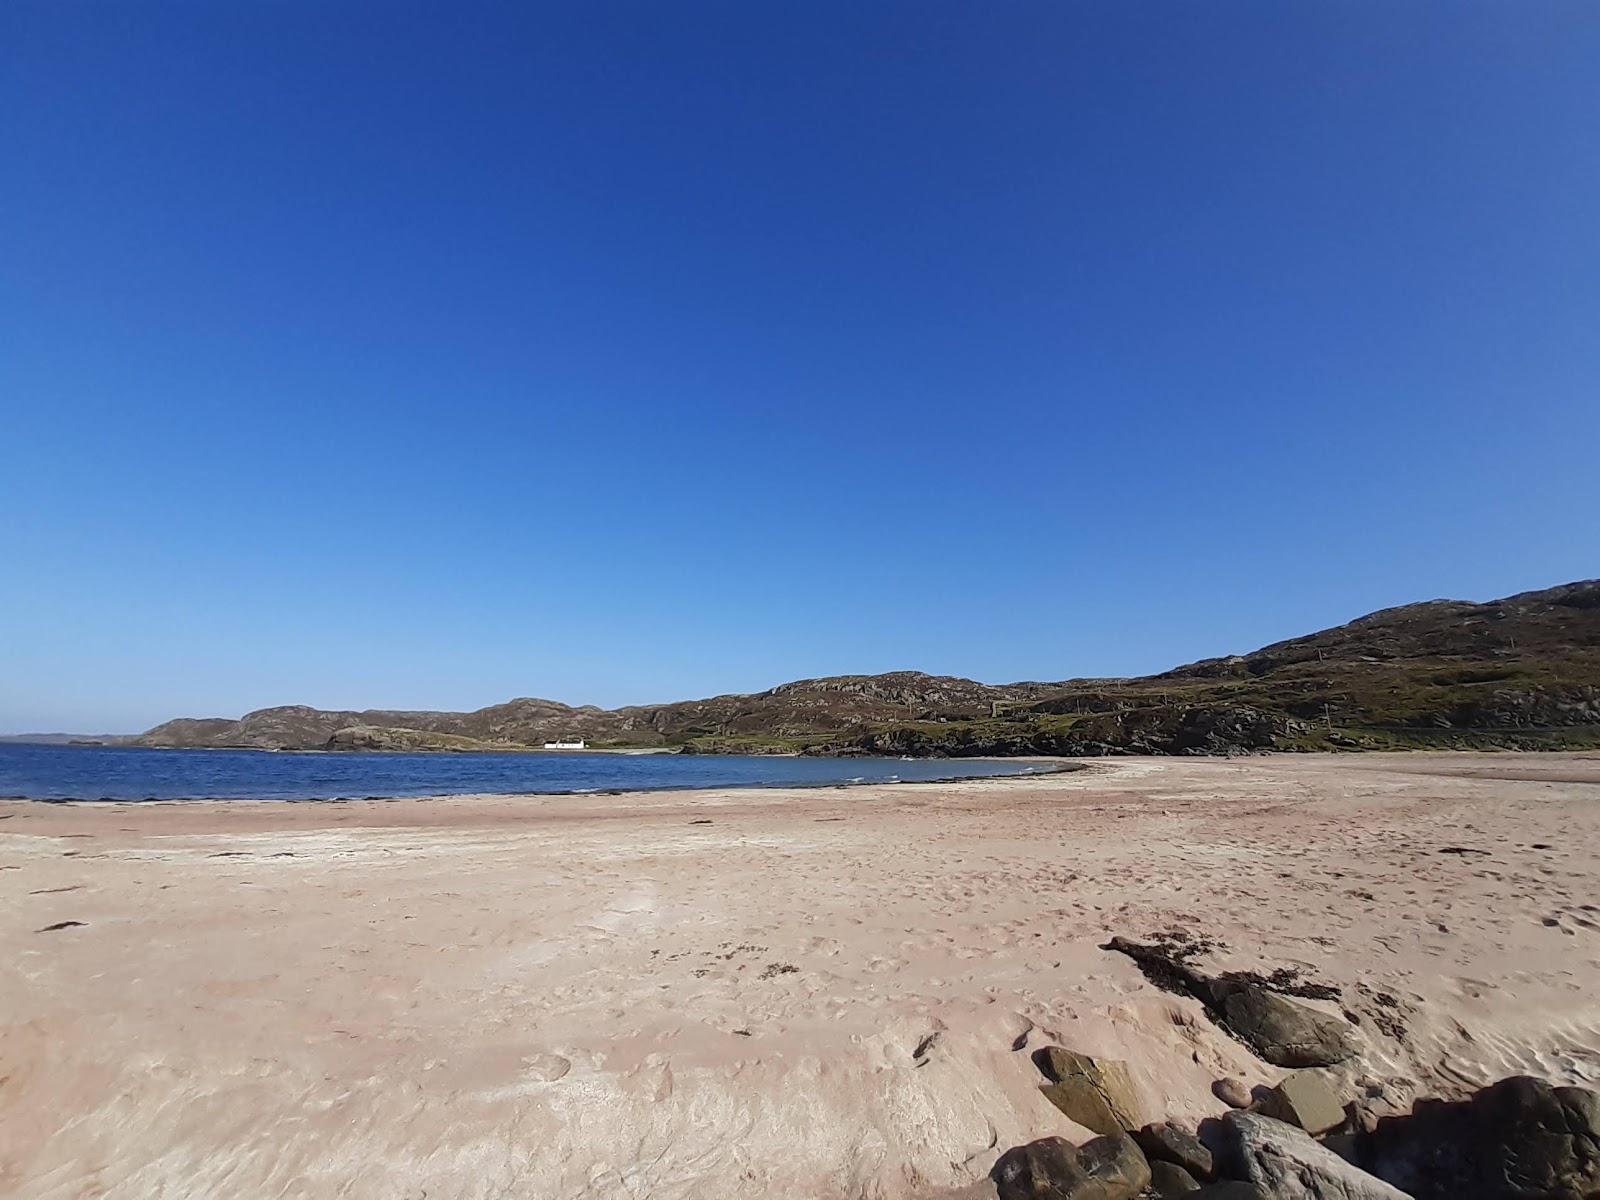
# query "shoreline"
(758, 991)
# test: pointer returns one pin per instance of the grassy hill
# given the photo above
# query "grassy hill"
(1521, 673)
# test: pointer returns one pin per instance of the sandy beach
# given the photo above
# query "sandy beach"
(816, 993)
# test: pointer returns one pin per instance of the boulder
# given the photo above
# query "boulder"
(1170, 1180)
(1539, 1138)
(1306, 1100)
(1046, 1168)
(1097, 1093)
(1116, 1168)
(1582, 1109)
(1107, 1168)
(1233, 1091)
(1080, 1100)
(1519, 1139)
(1170, 1143)
(1282, 1032)
(1288, 1163)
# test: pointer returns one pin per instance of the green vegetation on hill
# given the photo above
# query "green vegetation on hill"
(1517, 673)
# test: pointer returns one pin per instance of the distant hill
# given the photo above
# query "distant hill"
(68, 739)
(800, 713)
(1522, 672)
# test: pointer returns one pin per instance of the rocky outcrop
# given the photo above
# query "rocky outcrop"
(1177, 729)
(720, 745)
(1289, 1164)
(1521, 708)
(1107, 1168)
(1131, 729)
(373, 737)
(1281, 1031)
(1520, 1139)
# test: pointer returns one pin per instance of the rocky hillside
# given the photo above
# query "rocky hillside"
(1522, 672)
(515, 724)
(800, 712)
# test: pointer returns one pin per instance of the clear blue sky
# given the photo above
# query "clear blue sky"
(389, 354)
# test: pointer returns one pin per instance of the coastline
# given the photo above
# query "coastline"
(723, 993)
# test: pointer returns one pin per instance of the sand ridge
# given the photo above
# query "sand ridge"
(811, 993)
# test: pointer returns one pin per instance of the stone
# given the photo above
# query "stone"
(1107, 1168)
(1116, 1168)
(1233, 1091)
(1080, 1100)
(1306, 1100)
(1519, 1138)
(1169, 1179)
(1582, 1109)
(1282, 1032)
(1078, 1075)
(1289, 1164)
(1047, 1168)
(1169, 1143)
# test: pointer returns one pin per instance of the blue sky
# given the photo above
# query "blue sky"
(386, 354)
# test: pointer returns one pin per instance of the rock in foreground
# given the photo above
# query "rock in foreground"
(1108, 1168)
(1169, 1181)
(1289, 1164)
(1096, 1093)
(1519, 1139)
(1170, 1143)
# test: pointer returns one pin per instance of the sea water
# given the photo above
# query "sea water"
(47, 772)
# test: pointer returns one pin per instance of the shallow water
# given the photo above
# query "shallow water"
(132, 773)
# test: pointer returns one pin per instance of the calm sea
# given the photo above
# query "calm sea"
(128, 773)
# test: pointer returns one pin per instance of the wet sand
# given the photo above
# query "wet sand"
(811, 993)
